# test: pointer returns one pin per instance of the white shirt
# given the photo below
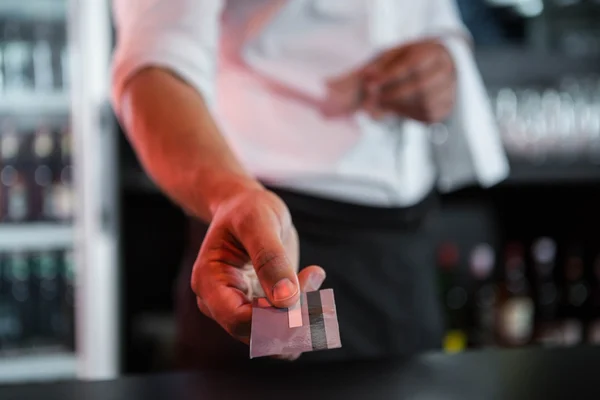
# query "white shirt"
(262, 66)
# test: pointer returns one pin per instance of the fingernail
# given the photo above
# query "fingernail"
(315, 281)
(283, 290)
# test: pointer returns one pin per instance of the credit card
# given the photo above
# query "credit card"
(310, 325)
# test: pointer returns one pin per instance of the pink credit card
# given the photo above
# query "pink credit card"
(308, 326)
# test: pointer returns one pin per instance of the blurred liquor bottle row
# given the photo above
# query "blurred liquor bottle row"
(556, 123)
(540, 293)
(36, 301)
(33, 56)
(35, 174)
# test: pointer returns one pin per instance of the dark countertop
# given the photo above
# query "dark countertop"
(531, 374)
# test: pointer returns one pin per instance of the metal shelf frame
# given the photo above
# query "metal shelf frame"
(96, 214)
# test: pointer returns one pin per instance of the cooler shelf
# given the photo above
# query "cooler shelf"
(34, 103)
(35, 236)
(44, 367)
(46, 9)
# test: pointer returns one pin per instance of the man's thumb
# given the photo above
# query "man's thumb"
(274, 269)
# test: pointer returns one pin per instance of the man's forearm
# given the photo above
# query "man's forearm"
(179, 144)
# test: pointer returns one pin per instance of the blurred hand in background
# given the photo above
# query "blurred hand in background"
(416, 81)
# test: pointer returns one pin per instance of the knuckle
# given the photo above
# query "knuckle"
(261, 208)
(265, 258)
(201, 279)
(244, 220)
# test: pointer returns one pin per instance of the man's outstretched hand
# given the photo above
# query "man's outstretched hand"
(250, 249)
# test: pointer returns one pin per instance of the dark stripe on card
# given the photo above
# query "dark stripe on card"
(332, 328)
(305, 320)
(317, 323)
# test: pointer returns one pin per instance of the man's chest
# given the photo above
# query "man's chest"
(327, 36)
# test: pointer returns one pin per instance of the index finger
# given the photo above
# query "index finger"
(404, 68)
(231, 309)
(381, 62)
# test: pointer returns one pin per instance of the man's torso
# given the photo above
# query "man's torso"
(275, 59)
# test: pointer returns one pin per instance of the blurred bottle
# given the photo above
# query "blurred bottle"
(14, 188)
(5, 320)
(68, 310)
(48, 297)
(21, 299)
(42, 58)
(43, 146)
(543, 255)
(506, 105)
(10, 144)
(454, 297)
(482, 264)
(66, 147)
(593, 334)
(65, 68)
(534, 125)
(515, 307)
(576, 296)
(65, 58)
(15, 206)
(9, 310)
(2, 79)
(64, 196)
(18, 57)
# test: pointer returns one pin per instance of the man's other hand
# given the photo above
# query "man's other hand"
(416, 81)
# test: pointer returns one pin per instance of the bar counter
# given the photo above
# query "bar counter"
(529, 374)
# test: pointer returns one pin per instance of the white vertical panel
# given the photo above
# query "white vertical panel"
(96, 238)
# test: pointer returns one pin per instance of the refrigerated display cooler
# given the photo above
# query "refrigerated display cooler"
(58, 242)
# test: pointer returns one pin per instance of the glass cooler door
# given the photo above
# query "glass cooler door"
(51, 208)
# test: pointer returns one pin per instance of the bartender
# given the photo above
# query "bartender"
(307, 140)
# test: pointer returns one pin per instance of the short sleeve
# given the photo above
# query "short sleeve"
(180, 35)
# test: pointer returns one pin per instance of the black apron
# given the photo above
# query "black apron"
(380, 264)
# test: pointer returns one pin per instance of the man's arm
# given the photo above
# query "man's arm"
(163, 86)
(162, 91)
(179, 144)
